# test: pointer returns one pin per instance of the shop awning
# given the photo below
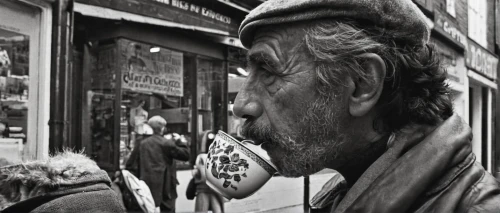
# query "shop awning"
(106, 13)
(223, 39)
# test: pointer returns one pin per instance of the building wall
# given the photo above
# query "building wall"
(461, 13)
(476, 108)
(491, 25)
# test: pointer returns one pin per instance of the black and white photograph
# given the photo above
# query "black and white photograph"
(260, 106)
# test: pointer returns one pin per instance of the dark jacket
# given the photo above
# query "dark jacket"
(68, 182)
(424, 169)
(157, 165)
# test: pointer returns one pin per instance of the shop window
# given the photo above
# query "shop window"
(14, 87)
(129, 83)
(23, 67)
(211, 98)
(477, 19)
(132, 81)
(450, 8)
(99, 121)
(155, 81)
(209, 75)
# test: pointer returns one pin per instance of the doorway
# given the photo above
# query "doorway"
(480, 120)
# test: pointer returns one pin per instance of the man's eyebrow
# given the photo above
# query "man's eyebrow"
(261, 57)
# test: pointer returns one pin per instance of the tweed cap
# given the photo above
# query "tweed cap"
(401, 19)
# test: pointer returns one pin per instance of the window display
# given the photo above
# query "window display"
(102, 107)
(133, 81)
(14, 86)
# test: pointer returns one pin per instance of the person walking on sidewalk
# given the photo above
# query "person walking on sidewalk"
(157, 167)
(206, 198)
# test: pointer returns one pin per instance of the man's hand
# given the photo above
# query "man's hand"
(176, 136)
(183, 139)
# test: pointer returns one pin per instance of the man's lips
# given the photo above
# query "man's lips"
(252, 141)
(266, 146)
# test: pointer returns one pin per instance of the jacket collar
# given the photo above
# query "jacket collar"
(419, 161)
(37, 178)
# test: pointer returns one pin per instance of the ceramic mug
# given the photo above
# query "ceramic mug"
(235, 169)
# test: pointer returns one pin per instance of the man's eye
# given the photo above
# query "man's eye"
(268, 77)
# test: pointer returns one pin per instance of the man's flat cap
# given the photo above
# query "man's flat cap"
(400, 19)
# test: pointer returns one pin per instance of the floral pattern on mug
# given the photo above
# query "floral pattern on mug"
(226, 164)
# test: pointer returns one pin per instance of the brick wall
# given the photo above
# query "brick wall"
(461, 8)
(497, 23)
(460, 19)
(491, 25)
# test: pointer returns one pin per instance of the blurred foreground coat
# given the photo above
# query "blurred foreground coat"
(67, 182)
(424, 169)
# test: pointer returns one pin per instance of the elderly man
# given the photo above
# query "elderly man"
(157, 165)
(353, 85)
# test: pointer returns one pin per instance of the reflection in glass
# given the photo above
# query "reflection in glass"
(14, 85)
(102, 101)
(210, 80)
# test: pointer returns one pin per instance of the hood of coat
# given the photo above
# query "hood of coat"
(65, 170)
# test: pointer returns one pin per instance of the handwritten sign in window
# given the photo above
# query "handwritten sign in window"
(158, 72)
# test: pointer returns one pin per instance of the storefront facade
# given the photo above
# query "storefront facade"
(25, 64)
(449, 43)
(168, 58)
(482, 74)
(462, 36)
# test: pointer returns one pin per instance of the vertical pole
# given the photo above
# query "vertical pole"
(60, 65)
(193, 69)
(496, 126)
(225, 93)
(306, 194)
(118, 105)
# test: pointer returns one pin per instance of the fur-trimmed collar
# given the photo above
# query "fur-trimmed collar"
(62, 171)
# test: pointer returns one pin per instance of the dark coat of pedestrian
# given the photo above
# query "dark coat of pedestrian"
(157, 167)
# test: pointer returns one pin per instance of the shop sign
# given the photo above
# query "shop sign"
(450, 29)
(481, 60)
(158, 72)
(193, 8)
(178, 11)
(451, 60)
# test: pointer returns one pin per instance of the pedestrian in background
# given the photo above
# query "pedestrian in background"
(157, 157)
(206, 198)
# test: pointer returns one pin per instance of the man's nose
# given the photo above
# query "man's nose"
(247, 104)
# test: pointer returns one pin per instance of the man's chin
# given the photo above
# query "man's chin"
(289, 171)
(294, 174)
(290, 175)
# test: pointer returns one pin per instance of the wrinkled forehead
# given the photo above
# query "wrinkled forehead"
(286, 37)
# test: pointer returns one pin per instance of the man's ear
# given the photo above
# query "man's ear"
(364, 93)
